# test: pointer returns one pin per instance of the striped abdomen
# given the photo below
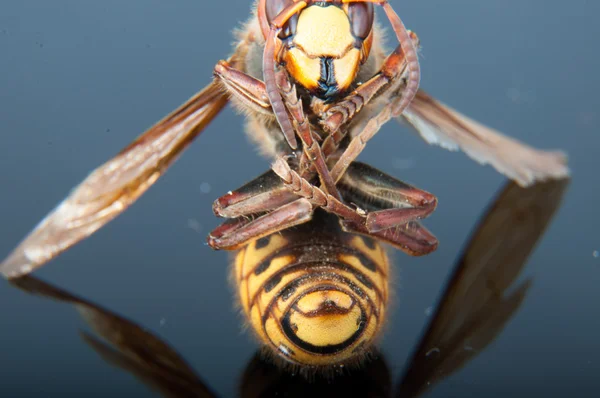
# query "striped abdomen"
(314, 294)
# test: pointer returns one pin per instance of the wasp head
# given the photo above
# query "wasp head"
(324, 44)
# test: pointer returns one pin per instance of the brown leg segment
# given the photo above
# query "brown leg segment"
(394, 66)
(412, 238)
(310, 146)
(253, 93)
(359, 142)
(388, 201)
(395, 62)
(301, 187)
(248, 90)
(269, 71)
(237, 232)
(400, 228)
(265, 193)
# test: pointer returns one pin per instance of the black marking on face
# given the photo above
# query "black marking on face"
(328, 86)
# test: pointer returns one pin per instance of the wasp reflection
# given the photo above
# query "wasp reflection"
(477, 302)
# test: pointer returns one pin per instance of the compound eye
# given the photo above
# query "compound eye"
(273, 8)
(361, 17)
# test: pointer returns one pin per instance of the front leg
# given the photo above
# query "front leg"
(243, 88)
(310, 145)
(394, 67)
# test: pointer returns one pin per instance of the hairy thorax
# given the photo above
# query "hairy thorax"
(263, 129)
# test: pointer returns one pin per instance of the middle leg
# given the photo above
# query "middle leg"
(260, 207)
(235, 233)
(388, 201)
(387, 209)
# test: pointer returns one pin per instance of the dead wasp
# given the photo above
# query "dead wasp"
(313, 70)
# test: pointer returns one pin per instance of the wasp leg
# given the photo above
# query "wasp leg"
(301, 187)
(347, 108)
(359, 141)
(388, 201)
(265, 193)
(386, 82)
(237, 232)
(251, 92)
(412, 238)
(393, 67)
(401, 229)
(311, 146)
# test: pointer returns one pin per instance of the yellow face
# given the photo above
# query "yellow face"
(324, 56)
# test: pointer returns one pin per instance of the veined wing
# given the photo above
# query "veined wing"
(441, 125)
(115, 185)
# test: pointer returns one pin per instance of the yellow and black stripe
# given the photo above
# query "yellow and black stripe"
(314, 294)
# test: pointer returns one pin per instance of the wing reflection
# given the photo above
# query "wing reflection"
(130, 347)
(473, 310)
(476, 306)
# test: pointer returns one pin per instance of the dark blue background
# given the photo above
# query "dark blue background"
(80, 79)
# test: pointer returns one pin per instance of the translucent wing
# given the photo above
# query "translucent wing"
(475, 306)
(115, 185)
(441, 125)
